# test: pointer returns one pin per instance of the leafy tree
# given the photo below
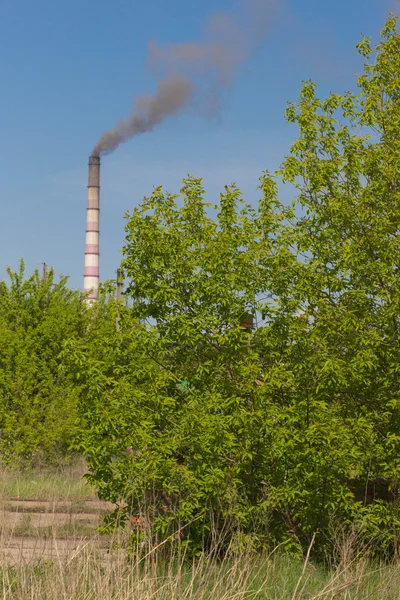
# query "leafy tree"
(345, 165)
(37, 401)
(180, 386)
(280, 428)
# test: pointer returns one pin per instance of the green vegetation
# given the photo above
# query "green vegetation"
(91, 575)
(37, 401)
(46, 484)
(51, 561)
(250, 393)
(286, 429)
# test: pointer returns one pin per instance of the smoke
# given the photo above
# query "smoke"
(195, 75)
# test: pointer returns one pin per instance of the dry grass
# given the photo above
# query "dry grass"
(89, 573)
(64, 530)
(68, 560)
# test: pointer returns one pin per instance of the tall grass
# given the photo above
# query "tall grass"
(91, 573)
(39, 565)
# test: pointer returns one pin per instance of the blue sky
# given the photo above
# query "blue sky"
(69, 70)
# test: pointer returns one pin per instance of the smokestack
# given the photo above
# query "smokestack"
(92, 249)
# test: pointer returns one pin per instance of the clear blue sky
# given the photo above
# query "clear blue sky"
(70, 69)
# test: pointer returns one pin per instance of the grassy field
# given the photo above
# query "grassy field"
(89, 575)
(50, 549)
(63, 485)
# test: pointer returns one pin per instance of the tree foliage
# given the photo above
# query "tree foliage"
(37, 401)
(282, 429)
(252, 382)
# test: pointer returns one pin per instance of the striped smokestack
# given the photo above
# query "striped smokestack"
(92, 249)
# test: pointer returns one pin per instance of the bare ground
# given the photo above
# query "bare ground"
(48, 530)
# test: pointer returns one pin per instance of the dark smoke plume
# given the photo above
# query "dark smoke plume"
(195, 74)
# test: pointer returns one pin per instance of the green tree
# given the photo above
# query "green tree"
(345, 165)
(190, 414)
(37, 401)
(180, 387)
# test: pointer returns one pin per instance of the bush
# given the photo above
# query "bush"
(191, 414)
(37, 401)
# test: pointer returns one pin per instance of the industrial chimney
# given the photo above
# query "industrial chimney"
(92, 249)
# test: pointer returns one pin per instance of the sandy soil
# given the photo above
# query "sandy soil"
(30, 530)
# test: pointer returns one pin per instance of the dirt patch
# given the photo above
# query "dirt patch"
(32, 530)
